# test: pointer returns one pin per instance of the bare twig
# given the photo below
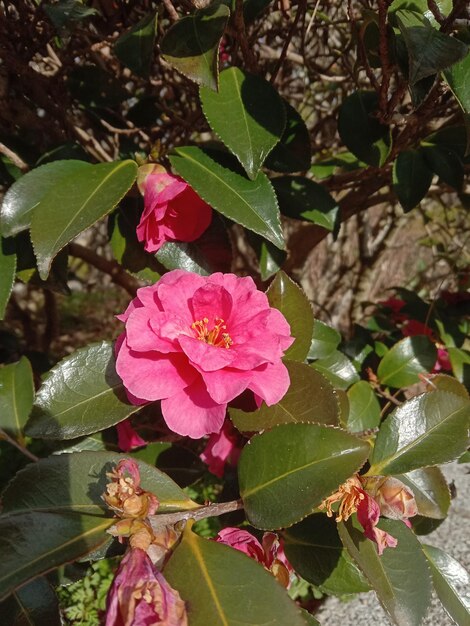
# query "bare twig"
(18, 446)
(384, 57)
(209, 510)
(239, 23)
(171, 10)
(14, 158)
(301, 8)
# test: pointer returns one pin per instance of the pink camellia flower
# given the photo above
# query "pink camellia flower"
(128, 438)
(197, 342)
(172, 212)
(222, 448)
(140, 595)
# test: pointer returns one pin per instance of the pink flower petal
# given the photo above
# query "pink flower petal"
(211, 301)
(225, 385)
(207, 357)
(220, 447)
(270, 382)
(128, 438)
(243, 541)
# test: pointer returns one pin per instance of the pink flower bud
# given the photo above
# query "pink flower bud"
(221, 448)
(394, 498)
(140, 595)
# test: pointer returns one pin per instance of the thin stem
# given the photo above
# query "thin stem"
(208, 510)
(18, 446)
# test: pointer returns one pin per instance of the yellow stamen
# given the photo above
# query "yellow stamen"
(349, 495)
(215, 337)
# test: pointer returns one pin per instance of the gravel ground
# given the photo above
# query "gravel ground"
(451, 536)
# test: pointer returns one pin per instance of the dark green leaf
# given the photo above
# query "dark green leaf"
(223, 587)
(411, 178)
(247, 114)
(293, 153)
(34, 543)
(34, 604)
(285, 473)
(452, 584)
(460, 360)
(24, 195)
(338, 369)
(183, 256)
(284, 295)
(16, 396)
(325, 340)
(446, 164)
(405, 360)
(303, 199)
(310, 398)
(431, 491)
(65, 483)
(368, 139)
(192, 44)
(75, 203)
(429, 50)
(315, 551)
(458, 77)
(81, 395)
(270, 259)
(427, 430)
(135, 47)
(250, 203)
(364, 407)
(65, 11)
(400, 577)
(7, 272)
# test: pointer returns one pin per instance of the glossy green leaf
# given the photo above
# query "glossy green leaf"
(64, 483)
(183, 256)
(26, 193)
(338, 369)
(7, 272)
(460, 360)
(458, 78)
(422, 7)
(75, 203)
(284, 295)
(285, 473)
(16, 396)
(303, 199)
(431, 491)
(65, 11)
(223, 587)
(400, 577)
(251, 203)
(411, 178)
(315, 551)
(34, 604)
(135, 47)
(293, 153)
(34, 543)
(247, 114)
(325, 340)
(270, 258)
(310, 398)
(81, 394)
(405, 360)
(452, 584)
(368, 139)
(427, 430)
(429, 50)
(364, 407)
(446, 163)
(192, 44)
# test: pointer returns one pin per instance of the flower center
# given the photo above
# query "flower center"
(215, 336)
(349, 495)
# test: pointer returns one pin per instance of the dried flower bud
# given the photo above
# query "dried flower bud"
(394, 498)
(124, 494)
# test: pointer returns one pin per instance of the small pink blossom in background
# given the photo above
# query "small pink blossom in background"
(196, 343)
(395, 305)
(222, 448)
(411, 328)
(443, 361)
(140, 595)
(128, 438)
(172, 212)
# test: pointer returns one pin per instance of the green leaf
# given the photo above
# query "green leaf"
(270, 258)
(192, 44)
(405, 360)
(74, 203)
(16, 397)
(458, 78)
(452, 584)
(247, 114)
(400, 577)
(460, 360)
(34, 543)
(66, 483)
(364, 407)
(34, 604)
(27, 192)
(7, 272)
(284, 295)
(223, 587)
(303, 199)
(65, 11)
(411, 178)
(135, 47)
(446, 163)
(368, 139)
(81, 395)
(427, 430)
(293, 153)
(429, 50)
(431, 491)
(183, 256)
(325, 340)
(251, 203)
(338, 369)
(315, 551)
(422, 7)
(285, 473)
(310, 398)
